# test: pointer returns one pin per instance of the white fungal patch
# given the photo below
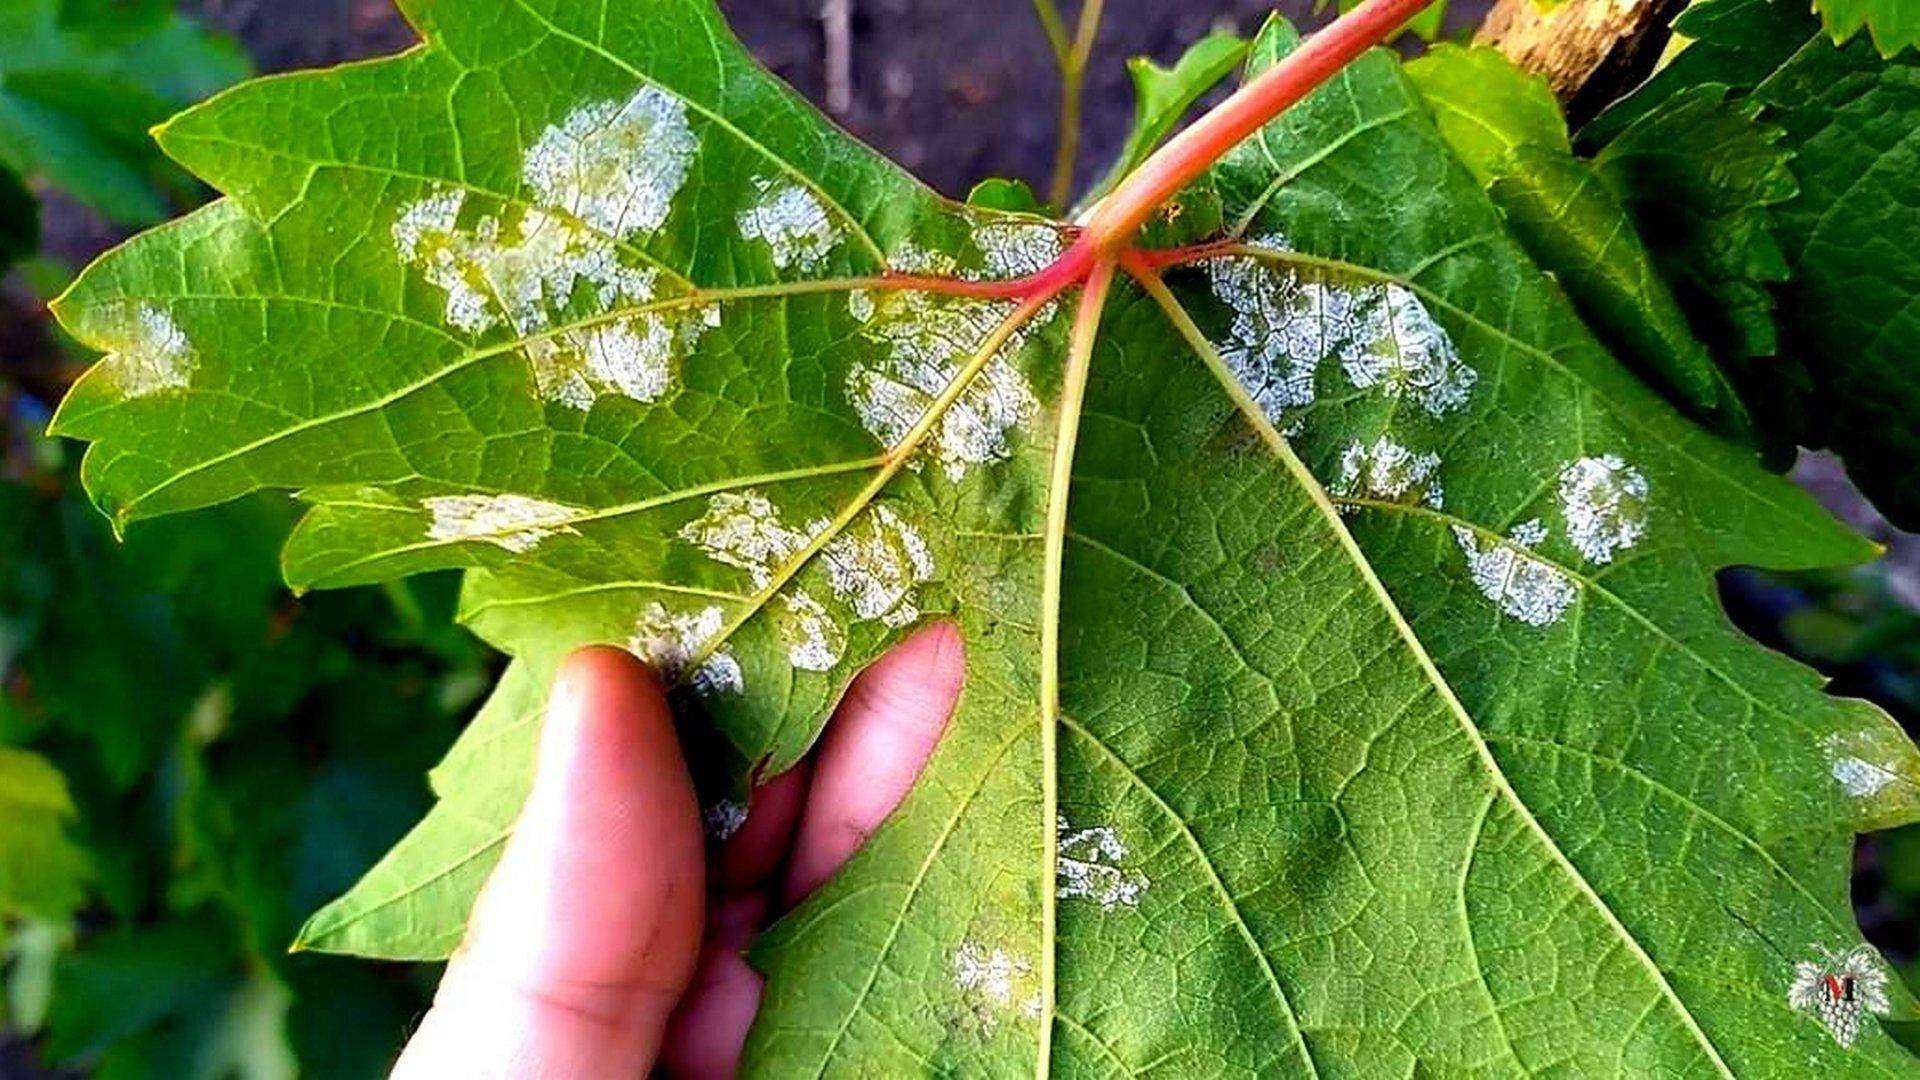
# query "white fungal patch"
(633, 356)
(148, 353)
(1841, 989)
(793, 224)
(929, 341)
(814, 640)
(1015, 249)
(1517, 582)
(1283, 324)
(1852, 766)
(995, 982)
(860, 304)
(1388, 472)
(743, 529)
(878, 568)
(1089, 868)
(522, 274)
(1604, 502)
(516, 523)
(724, 818)
(671, 641)
(1395, 344)
(615, 166)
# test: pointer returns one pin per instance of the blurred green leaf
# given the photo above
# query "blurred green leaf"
(80, 84)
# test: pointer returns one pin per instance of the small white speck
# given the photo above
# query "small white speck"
(1388, 472)
(1840, 989)
(615, 166)
(877, 567)
(1519, 583)
(1851, 769)
(149, 353)
(793, 224)
(723, 819)
(514, 522)
(1089, 868)
(1604, 502)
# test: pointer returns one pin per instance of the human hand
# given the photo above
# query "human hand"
(585, 955)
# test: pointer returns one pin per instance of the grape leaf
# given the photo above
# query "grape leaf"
(1895, 24)
(1413, 740)
(1506, 127)
(42, 873)
(1849, 237)
(80, 86)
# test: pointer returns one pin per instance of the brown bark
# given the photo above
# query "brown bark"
(1589, 51)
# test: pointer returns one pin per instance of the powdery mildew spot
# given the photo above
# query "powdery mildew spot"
(1015, 249)
(1856, 775)
(929, 340)
(615, 166)
(876, 569)
(1283, 324)
(814, 640)
(1389, 472)
(860, 304)
(743, 529)
(1519, 584)
(148, 353)
(1089, 868)
(633, 356)
(724, 818)
(514, 522)
(670, 641)
(1395, 344)
(1604, 502)
(520, 274)
(1840, 989)
(995, 982)
(792, 223)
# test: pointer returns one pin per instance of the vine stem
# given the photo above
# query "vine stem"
(1107, 237)
(1073, 76)
(1184, 157)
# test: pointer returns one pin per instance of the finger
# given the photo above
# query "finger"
(873, 750)
(708, 1031)
(586, 933)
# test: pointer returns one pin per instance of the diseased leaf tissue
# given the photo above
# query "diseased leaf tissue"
(1397, 726)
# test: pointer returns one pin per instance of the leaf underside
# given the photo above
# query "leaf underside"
(1398, 728)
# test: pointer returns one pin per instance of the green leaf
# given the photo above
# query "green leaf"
(1895, 23)
(1412, 741)
(1850, 241)
(80, 86)
(1162, 96)
(1426, 25)
(1014, 196)
(1507, 129)
(43, 875)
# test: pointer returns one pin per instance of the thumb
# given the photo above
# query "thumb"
(586, 934)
